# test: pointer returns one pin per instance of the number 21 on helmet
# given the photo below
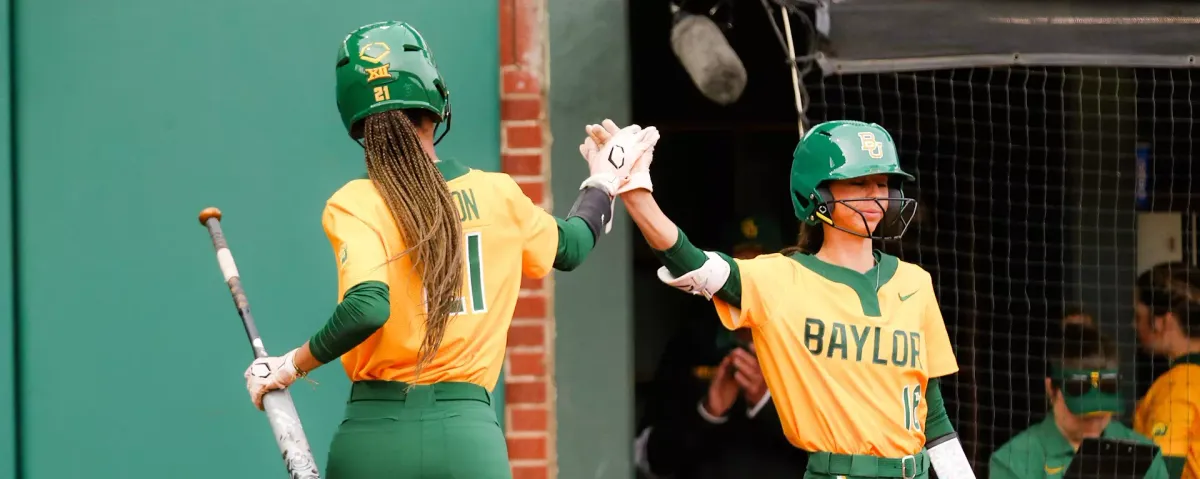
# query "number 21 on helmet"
(841, 150)
(388, 66)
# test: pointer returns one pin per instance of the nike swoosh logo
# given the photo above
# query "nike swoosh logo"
(610, 157)
(904, 297)
(1053, 470)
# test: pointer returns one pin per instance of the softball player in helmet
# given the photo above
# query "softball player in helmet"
(430, 256)
(851, 340)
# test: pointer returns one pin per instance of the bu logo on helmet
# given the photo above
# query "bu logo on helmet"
(869, 145)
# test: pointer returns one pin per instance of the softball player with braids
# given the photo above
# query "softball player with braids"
(430, 256)
(1167, 310)
(851, 340)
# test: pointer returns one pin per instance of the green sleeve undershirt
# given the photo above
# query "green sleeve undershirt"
(364, 309)
(575, 241)
(682, 258)
(937, 422)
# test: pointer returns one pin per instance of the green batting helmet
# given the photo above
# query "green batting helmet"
(844, 149)
(387, 66)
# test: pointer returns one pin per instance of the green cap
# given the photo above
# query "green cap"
(1095, 400)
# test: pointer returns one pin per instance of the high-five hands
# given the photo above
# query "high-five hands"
(619, 158)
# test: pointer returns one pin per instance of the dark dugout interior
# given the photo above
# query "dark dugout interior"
(1024, 173)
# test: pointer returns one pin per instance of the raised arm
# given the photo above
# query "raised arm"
(576, 238)
(620, 162)
(691, 269)
(591, 215)
(660, 232)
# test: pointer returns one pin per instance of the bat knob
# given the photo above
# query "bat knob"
(208, 213)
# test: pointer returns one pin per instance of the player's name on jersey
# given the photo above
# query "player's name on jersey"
(468, 208)
(836, 340)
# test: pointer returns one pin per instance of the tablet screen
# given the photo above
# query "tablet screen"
(1110, 458)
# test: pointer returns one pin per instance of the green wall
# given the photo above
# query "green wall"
(8, 443)
(134, 115)
(589, 71)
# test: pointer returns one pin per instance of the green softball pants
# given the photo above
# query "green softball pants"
(438, 431)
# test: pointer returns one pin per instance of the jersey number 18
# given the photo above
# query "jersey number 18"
(911, 396)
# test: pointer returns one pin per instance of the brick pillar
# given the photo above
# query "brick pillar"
(525, 155)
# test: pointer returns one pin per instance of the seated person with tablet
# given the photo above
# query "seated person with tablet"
(1083, 392)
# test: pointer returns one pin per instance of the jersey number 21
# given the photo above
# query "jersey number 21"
(474, 247)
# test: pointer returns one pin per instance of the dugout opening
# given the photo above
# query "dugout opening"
(714, 167)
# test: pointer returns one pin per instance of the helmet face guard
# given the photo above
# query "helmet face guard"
(842, 150)
(897, 216)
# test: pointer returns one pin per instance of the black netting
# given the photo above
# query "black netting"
(1028, 187)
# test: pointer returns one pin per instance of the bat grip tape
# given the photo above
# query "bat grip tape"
(225, 261)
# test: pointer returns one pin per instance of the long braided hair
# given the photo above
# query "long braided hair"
(419, 199)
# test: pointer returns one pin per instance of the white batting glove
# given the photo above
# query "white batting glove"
(268, 374)
(639, 175)
(611, 162)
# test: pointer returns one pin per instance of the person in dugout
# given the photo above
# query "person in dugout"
(1083, 389)
(1167, 311)
(710, 415)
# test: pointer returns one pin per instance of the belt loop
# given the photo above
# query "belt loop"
(905, 470)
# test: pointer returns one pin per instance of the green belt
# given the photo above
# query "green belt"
(396, 391)
(868, 466)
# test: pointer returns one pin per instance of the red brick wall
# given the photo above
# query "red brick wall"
(525, 154)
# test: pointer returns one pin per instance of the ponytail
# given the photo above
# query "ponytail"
(419, 200)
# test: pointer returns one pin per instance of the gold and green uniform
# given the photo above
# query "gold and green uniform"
(440, 423)
(1169, 414)
(851, 359)
(445, 425)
